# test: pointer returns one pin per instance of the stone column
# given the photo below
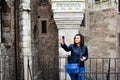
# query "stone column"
(25, 36)
(68, 15)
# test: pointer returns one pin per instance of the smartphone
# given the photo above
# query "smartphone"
(63, 37)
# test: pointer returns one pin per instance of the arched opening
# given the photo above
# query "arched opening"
(5, 22)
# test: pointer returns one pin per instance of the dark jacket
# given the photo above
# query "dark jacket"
(76, 53)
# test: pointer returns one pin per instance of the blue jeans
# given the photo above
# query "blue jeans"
(80, 76)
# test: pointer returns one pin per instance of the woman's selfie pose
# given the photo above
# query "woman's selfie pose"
(79, 54)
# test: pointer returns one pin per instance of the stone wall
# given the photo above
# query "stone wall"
(101, 39)
(44, 45)
(7, 62)
(101, 36)
(7, 50)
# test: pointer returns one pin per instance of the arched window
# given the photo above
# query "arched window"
(5, 21)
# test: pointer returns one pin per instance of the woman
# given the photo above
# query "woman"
(79, 54)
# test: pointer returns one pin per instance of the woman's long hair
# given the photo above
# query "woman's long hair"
(81, 40)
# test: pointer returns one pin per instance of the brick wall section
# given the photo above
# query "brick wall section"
(45, 45)
(101, 36)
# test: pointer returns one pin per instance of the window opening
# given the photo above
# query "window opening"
(43, 1)
(44, 26)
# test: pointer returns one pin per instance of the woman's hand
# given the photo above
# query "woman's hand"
(83, 59)
(62, 41)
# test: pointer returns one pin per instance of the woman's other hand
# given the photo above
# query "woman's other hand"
(83, 59)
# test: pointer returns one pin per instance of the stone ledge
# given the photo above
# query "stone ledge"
(70, 26)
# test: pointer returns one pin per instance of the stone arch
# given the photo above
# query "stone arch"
(8, 51)
(6, 22)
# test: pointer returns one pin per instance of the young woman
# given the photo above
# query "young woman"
(79, 54)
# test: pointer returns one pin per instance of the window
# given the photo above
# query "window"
(43, 1)
(44, 26)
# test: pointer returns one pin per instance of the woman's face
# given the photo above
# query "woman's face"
(77, 39)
